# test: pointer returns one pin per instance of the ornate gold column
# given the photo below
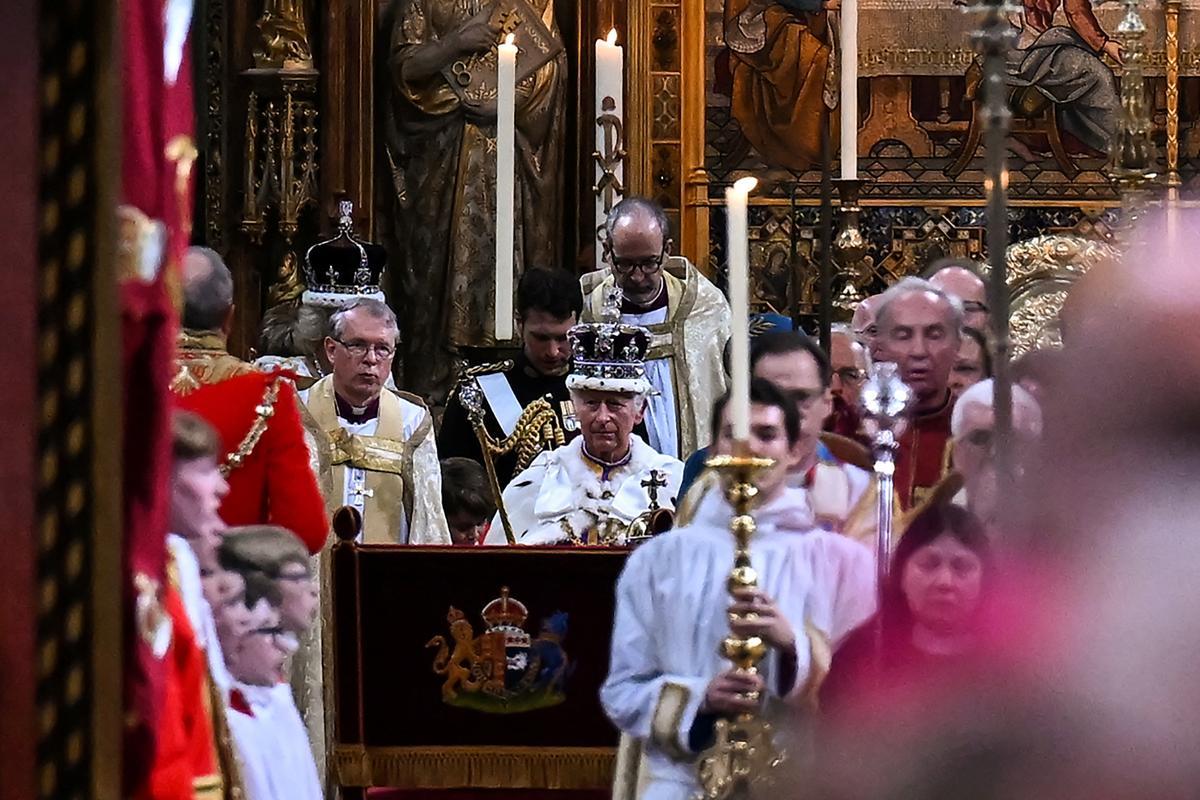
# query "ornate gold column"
(693, 214)
(1171, 14)
(1133, 149)
(637, 117)
(279, 166)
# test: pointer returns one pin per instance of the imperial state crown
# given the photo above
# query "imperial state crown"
(344, 267)
(609, 356)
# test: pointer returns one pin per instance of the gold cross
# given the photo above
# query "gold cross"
(652, 484)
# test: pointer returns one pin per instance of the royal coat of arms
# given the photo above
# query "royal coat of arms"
(504, 670)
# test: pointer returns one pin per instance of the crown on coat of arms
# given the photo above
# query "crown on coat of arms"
(609, 356)
(505, 611)
(344, 267)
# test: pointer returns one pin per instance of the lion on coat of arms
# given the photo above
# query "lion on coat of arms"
(503, 670)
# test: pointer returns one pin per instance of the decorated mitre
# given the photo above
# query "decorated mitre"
(345, 267)
(609, 356)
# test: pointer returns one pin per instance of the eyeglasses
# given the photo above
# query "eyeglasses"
(359, 350)
(626, 266)
(850, 374)
(282, 638)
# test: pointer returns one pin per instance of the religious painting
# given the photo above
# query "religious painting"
(771, 71)
(1064, 65)
(778, 73)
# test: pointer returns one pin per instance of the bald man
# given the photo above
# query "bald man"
(256, 415)
(965, 284)
(686, 314)
(920, 329)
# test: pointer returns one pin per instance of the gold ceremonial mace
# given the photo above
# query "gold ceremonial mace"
(743, 753)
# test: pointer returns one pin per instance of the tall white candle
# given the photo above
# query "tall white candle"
(610, 83)
(849, 89)
(506, 104)
(737, 245)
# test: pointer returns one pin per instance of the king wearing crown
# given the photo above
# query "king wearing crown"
(591, 490)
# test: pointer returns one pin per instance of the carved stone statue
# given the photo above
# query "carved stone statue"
(441, 143)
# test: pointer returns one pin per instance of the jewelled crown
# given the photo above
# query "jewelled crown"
(609, 356)
(505, 611)
(344, 267)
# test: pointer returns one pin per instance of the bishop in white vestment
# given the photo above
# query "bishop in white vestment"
(687, 316)
(385, 464)
(382, 449)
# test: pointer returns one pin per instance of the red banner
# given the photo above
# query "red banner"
(155, 224)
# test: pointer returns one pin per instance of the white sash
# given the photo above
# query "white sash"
(500, 398)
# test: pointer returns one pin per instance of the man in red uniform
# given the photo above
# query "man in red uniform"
(256, 414)
(919, 329)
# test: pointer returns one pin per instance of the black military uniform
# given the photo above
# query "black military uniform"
(457, 437)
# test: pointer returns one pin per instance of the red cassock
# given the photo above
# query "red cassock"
(185, 759)
(157, 153)
(922, 459)
(274, 483)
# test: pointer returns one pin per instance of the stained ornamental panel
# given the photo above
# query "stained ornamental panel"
(770, 76)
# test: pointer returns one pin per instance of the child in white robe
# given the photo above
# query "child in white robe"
(273, 748)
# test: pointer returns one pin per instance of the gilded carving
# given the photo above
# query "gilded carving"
(280, 173)
(284, 31)
(1040, 272)
(440, 148)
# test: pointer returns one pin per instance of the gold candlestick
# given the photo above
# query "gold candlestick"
(744, 752)
(1133, 148)
(849, 245)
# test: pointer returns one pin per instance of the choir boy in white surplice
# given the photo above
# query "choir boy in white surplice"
(589, 490)
(667, 684)
(382, 448)
(273, 751)
(687, 316)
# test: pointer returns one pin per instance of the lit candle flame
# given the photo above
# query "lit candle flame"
(508, 40)
(612, 37)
